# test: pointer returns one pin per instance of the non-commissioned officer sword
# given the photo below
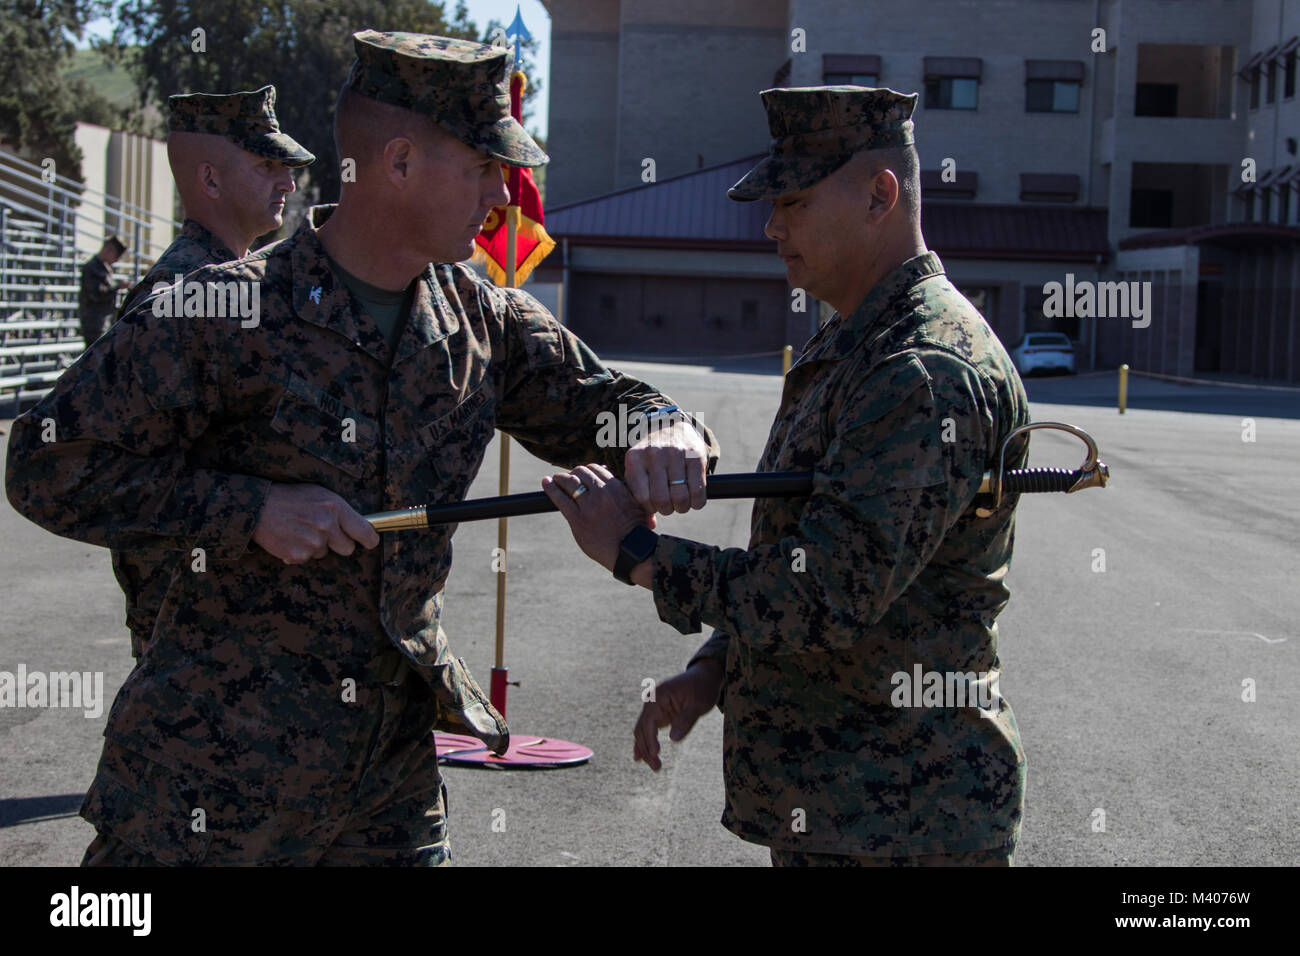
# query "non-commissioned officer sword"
(1093, 473)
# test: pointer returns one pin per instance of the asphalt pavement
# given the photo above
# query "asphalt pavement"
(1127, 682)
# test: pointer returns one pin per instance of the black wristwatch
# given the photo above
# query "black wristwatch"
(638, 545)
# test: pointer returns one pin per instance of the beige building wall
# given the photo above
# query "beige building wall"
(689, 79)
(673, 81)
(583, 97)
(999, 139)
(127, 168)
(1153, 139)
(1267, 128)
(93, 141)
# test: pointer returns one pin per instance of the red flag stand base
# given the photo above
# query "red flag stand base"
(500, 680)
(524, 753)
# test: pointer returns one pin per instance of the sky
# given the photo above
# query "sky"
(480, 11)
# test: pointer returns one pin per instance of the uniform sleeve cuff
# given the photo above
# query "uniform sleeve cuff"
(683, 581)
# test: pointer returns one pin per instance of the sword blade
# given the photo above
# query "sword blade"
(768, 484)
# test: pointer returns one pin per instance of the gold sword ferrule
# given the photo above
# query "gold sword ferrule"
(415, 517)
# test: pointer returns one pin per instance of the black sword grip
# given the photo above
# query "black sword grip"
(771, 484)
(1033, 480)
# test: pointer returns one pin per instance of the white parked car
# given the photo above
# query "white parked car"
(1043, 351)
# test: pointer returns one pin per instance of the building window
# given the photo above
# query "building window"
(1283, 203)
(749, 313)
(782, 75)
(1156, 99)
(1052, 86)
(1051, 96)
(952, 83)
(951, 93)
(1151, 209)
(850, 69)
(1265, 204)
(850, 79)
(1270, 87)
(1288, 85)
(1254, 89)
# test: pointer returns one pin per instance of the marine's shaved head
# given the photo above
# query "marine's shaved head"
(903, 162)
(186, 152)
(235, 194)
(364, 126)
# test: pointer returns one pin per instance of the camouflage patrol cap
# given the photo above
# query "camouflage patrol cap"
(815, 129)
(464, 86)
(247, 119)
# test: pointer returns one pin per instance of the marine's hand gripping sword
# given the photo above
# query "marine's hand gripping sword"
(769, 484)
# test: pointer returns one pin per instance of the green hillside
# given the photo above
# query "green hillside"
(112, 81)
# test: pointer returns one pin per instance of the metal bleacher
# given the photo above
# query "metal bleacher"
(41, 218)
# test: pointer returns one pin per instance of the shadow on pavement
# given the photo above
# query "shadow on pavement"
(15, 811)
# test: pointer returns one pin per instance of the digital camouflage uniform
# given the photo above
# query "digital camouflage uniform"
(195, 246)
(899, 408)
(169, 433)
(246, 119)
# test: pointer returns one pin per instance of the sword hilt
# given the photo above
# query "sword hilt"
(1093, 473)
(1023, 481)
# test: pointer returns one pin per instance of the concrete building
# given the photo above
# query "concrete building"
(1061, 141)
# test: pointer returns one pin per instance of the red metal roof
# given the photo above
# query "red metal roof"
(995, 231)
(689, 208)
(692, 211)
(1222, 234)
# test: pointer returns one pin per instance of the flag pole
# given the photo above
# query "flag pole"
(500, 673)
(524, 751)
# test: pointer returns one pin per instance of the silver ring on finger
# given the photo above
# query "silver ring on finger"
(578, 492)
(677, 481)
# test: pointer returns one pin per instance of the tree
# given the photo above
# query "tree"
(39, 107)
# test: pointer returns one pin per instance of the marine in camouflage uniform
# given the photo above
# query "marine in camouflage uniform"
(246, 119)
(292, 703)
(898, 408)
(98, 291)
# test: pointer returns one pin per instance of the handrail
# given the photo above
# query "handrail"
(76, 228)
(128, 217)
(6, 156)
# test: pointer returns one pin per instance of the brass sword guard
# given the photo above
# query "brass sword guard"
(1093, 473)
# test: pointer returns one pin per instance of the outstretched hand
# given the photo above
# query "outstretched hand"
(678, 703)
(602, 515)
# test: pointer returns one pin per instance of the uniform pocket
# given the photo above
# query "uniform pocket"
(455, 442)
(144, 805)
(325, 428)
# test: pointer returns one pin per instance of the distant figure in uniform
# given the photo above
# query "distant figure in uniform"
(98, 297)
(838, 750)
(233, 168)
